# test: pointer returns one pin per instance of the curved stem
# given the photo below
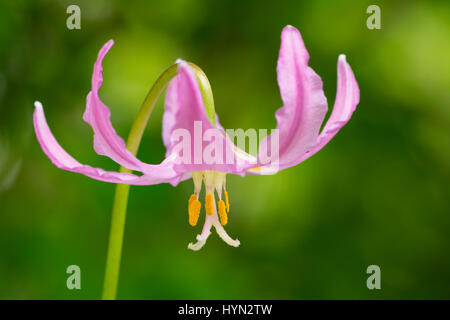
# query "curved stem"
(119, 210)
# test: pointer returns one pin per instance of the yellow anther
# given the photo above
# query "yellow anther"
(209, 204)
(222, 214)
(194, 210)
(192, 198)
(227, 203)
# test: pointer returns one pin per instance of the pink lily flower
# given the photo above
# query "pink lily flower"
(298, 122)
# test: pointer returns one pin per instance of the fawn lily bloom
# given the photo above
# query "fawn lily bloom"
(298, 122)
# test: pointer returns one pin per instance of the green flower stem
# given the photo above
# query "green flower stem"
(119, 210)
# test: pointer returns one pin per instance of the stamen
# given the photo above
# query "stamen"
(214, 181)
(209, 204)
(222, 214)
(227, 203)
(197, 177)
(208, 179)
(219, 182)
(194, 210)
(192, 198)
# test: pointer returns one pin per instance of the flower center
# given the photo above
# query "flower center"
(215, 182)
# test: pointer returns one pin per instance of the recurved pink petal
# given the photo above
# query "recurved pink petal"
(64, 161)
(304, 103)
(183, 105)
(347, 98)
(185, 112)
(106, 141)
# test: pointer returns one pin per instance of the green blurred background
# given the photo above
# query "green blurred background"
(377, 194)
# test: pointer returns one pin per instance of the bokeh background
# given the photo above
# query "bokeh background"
(377, 194)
